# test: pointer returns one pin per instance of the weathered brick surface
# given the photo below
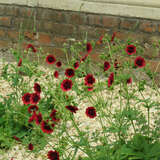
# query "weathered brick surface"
(11, 10)
(26, 12)
(75, 18)
(2, 10)
(91, 32)
(24, 22)
(94, 20)
(110, 21)
(13, 35)
(129, 24)
(2, 34)
(44, 39)
(60, 29)
(59, 41)
(51, 15)
(30, 36)
(147, 26)
(4, 43)
(5, 21)
(158, 27)
(64, 29)
(48, 26)
(54, 27)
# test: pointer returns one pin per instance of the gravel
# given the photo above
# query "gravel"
(19, 152)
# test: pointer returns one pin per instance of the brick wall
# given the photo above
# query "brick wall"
(54, 27)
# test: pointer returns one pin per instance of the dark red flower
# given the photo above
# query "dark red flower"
(89, 47)
(129, 80)
(89, 80)
(37, 88)
(106, 66)
(58, 64)
(50, 59)
(114, 34)
(53, 125)
(73, 109)
(46, 128)
(26, 98)
(90, 88)
(91, 112)
(20, 62)
(35, 97)
(38, 118)
(32, 47)
(16, 138)
(130, 49)
(66, 85)
(76, 65)
(32, 108)
(69, 72)
(110, 79)
(100, 41)
(30, 146)
(83, 58)
(33, 117)
(53, 155)
(53, 116)
(56, 74)
(139, 62)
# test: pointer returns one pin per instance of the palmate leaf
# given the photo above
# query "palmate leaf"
(153, 150)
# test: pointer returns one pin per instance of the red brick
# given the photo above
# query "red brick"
(4, 43)
(11, 10)
(63, 29)
(58, 52)
(78, 19)
(102, 31)
(129, 24)
(13, 34)
(2, 33)
(5, 21)
(60, 40)
(95, 57)
(26, 12)
(26, 23)
(147, 26)
(159, 28)
(48, 25)
(124, 35)
(110, 22)
(50, 15)
(94, 20)
(91, 32)
(44, 38)
(30, 35)
(60, 29)
(2, 10)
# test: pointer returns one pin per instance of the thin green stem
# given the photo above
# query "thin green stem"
(77, 145)
(148, 121)
(79, 132)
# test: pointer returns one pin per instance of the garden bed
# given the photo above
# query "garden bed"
(20, 152)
